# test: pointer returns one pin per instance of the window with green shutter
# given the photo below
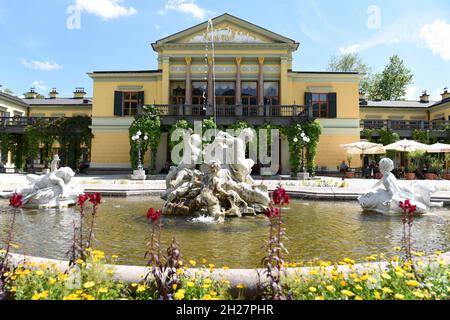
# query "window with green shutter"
(324, 105)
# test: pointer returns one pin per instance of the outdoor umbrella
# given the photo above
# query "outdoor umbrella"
(406, 146)
(438, 148)
(364, 148)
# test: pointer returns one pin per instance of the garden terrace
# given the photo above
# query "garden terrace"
(228, 114)
(406, 128)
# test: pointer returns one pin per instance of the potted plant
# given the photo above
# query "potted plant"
(435, 169)
(410, 173)
(350, 174)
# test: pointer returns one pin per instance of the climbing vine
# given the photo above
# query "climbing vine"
(303, 135)
(180, 124)
(148, 122)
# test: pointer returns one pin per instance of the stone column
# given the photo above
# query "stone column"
(188, 97)
(210, 81)
(165, 97)
(238, 82)
(261, 81)
(285, 93)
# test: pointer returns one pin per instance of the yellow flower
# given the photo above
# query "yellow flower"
(313, 272)
(386, 290)
(52, 281)
(89, 284)
(377, 295)
(343, 283)
(399, 296)
(384, 275)
(39, 273)
(371, 258)
(418, 294)
(110, 272)
(103, 290)
(207, 297)
(438, 253)
(179, 295)
(203, 261)
(180, 271)
(358, 287)
(79, 292)
(358, 298)
(399, 274)
(410, 275)
(226, 268)
(241, 286)
(80, 261)
(312, 289)
(190, 284)
(89, 297)
(319, 298)
(349, 261)
(207, 281)
(141, 288)
(364, 277)
(193, 263)
(72, 297)
(174, 286)
(134, 285)
(213, 293)
(206, 286)
(397, 248)
(412, 283)
(347, 293)
(331, 288)
(114, 257)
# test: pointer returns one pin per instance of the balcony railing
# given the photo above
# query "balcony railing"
(406, 128)
(234, 111)
(23, 121)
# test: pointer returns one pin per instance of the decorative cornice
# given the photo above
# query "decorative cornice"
(188, 60)
(238, 60)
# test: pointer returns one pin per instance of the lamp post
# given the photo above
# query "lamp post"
(137, 137)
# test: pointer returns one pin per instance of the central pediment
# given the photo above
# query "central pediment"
(225, 29)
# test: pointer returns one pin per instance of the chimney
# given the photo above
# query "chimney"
(446, 94)
(79, 93)
(53, 94)
(32, 94)
(425, 97)
(362, 96)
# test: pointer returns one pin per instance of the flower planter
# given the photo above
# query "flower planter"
(410, 176)
(430, 176)
(447, 176)
(378, 175)
(349, 175)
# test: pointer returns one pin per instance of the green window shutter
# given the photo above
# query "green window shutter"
(118, 103)
(308, 103)
(141, 98)
(332, 105)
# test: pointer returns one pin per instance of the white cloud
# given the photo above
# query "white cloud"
(39, 85)
(412, 93)
(186, 7)
(41, 65)
(105, 9)
(405, 30)
(436, 37)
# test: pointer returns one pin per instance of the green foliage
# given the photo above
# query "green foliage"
(418, 158)
(240, 125)
(351, 62)
(149, 123)
(180, 124)
(208, 124)
(368, 134)
(392, 82)
(423, 136)
(4, 146)
(312, 130)
(388, 136)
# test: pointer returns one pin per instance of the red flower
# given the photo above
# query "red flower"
(95, 198)
(153, 215)
(16, 200)
(412, 209)
(272, 212)
(82, 199)
(280, 196)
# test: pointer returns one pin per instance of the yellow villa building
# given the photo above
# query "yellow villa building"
(248, 69)
(254, 81)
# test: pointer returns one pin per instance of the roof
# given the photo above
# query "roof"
(137, 71)
(322, 72)
(59, 102)
(396, 104)
(229, 18)
(13, 99)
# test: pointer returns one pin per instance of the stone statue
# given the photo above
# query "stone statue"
(55, 163)
(48, 191)
(386, 194)
(221, 187)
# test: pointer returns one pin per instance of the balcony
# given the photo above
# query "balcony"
(18, 124)
(405, 128)
(228, 114)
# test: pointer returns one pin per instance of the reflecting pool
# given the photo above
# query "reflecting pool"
(326, 230)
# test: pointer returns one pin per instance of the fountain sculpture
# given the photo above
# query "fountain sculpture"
(51, 190)
(385, 195)
(221, 186)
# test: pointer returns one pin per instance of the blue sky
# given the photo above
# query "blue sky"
(38, 49)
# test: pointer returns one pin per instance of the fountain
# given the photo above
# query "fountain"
(386, 195)
(51, 190)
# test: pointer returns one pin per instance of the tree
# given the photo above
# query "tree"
(351, 62)
(391, 84)
(8, 91)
